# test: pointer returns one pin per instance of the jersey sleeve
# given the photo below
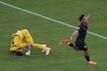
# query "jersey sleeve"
(78, 28)
(27, 36)
(26, 33)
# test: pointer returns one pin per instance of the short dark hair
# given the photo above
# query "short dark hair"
(19, 53)
(81, 17)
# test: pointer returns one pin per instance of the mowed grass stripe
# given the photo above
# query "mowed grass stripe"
(48, 18)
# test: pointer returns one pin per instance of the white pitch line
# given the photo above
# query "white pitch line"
(48, 18)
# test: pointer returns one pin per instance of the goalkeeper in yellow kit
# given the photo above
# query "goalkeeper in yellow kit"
(23, 39)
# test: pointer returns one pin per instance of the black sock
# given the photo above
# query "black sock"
(87, 58)
(71, 44)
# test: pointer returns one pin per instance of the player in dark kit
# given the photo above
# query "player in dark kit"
(80, 35)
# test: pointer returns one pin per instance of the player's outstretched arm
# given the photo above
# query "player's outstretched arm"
(74, 35)
(67, 41)
(88, 16)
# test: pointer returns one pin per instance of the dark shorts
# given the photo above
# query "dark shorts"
(81, 45)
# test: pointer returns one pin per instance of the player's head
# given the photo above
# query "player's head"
(83, 19)
(19, 52)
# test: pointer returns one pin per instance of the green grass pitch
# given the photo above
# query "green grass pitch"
(43, 31)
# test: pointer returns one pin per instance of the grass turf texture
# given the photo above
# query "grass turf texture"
(62, 58)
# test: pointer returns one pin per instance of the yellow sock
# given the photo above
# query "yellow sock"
(41, 46)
